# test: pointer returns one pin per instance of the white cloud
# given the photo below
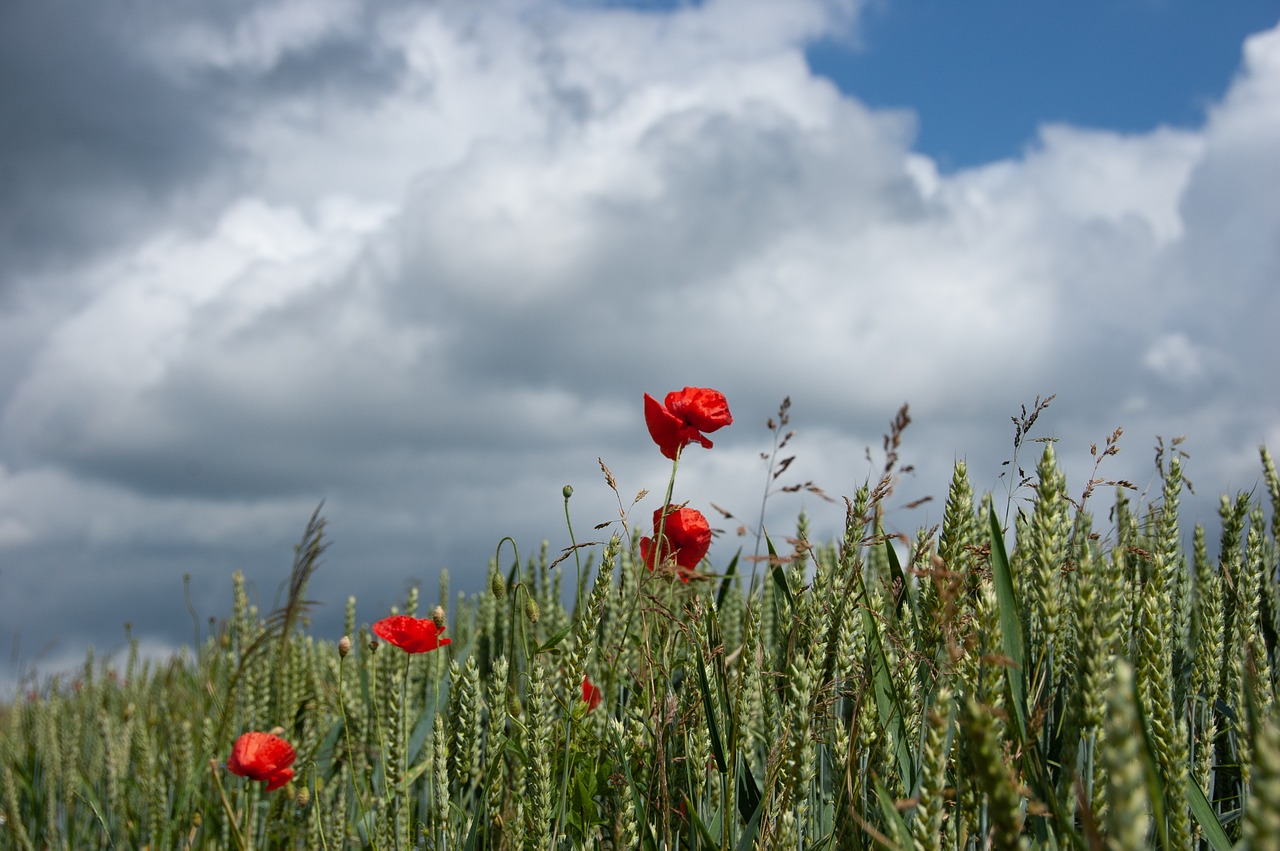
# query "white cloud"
(436, 304)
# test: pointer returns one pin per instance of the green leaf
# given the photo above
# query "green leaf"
(779, 575)
(727, 582)
(696, 821)
(892, 817)
(900, 580)
(1205, 816)
(1010, 625)
(324, 753)
(748, 837)
(709, 709)
(749, 799)
(555, 639)
(720, 679)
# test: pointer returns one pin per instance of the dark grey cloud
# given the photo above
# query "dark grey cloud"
(94, 141)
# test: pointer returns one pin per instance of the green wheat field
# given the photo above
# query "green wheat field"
(1048, 668)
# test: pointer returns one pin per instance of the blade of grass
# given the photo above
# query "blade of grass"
(749, 799)
(721, 676)
(1204, 815)
(554, 640)
(727, 582)
(892, 817)
(900, 581)
(706, 838)
(709, 709)
(779, 575)
(748, 837)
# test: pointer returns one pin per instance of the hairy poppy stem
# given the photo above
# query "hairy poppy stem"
(577, 557)
(660, 533)
(568, 726)
(660, 539)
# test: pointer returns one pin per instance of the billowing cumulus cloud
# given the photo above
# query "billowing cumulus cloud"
(422, 261)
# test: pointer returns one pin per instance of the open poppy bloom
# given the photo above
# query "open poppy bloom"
(684, 416)
(262, 756)
(412, 635)
(591, 694)
(687, 539)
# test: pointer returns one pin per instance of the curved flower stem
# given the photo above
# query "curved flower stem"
(577, 558)
(315, 811)
(241, 842)
(515, 621)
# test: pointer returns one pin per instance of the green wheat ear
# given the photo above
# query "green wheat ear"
(1128, 820)
(993, 777)
(934, 756)
(1262, 811)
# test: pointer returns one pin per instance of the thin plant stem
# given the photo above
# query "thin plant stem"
(351, 762)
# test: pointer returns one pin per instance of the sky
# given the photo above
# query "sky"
(421, 261)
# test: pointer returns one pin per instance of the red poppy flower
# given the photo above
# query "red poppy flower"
(412, 635)
(262, 756)
(684, 416)
(591, 694)
(688, 537)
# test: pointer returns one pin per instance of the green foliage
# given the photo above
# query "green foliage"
(1039, 686)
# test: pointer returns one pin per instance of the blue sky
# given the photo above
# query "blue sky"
(982, 76)
(421, 261)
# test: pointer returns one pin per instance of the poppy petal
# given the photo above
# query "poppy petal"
(262, 756)
(701, 407)
(412, 635)
(664, 428)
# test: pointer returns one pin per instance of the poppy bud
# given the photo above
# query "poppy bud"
(567, 491)
(531, 610)
(437, 617)
(344, 646)
(497, 586)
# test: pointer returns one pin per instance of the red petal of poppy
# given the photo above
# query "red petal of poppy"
(687, 539)
(690, 535)
(261, 756)
(664, 428)
(280, 778)
(646, 552)
(701, 407)
(591, 694)
(412, 635)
